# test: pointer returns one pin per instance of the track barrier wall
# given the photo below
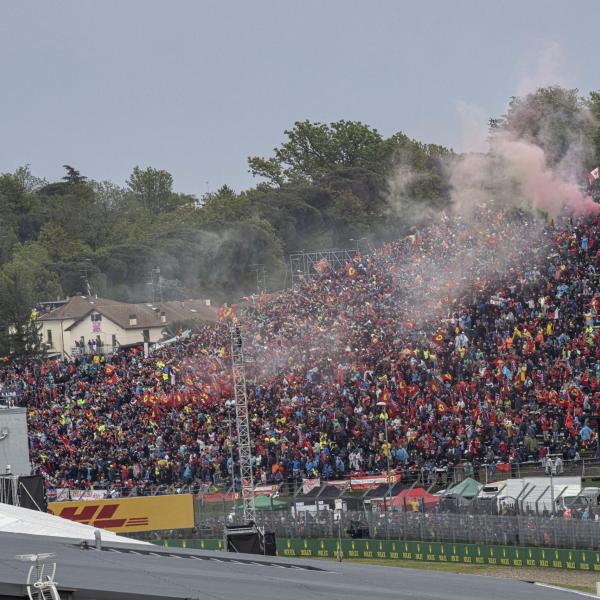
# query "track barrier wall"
(476, 554)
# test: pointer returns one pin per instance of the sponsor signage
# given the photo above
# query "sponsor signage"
(340, 484)
(310, 484)
(63, 494)
(267, 490)
(477, 554)
(446, 552)
(371, 482)
(128, 515)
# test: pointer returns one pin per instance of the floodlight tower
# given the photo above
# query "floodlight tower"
(242, 421)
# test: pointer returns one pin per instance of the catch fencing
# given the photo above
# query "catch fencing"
(425, 527)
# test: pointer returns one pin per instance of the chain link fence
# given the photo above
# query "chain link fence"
(426, 527)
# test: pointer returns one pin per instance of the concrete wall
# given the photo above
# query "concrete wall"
(14, 446)
(59, 335)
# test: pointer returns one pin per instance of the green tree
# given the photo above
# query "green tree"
(224, 206)
(154, 190)
(315, 149)
(73, 175)
(20, 205)
(26, 280)
(593, 103)
(554, 118)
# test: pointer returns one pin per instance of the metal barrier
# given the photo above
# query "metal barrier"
(427, 527)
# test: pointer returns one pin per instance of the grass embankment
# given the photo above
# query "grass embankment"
(580, 581)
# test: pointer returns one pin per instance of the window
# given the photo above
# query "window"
(146, 334)
(49, 337)
(96, 317)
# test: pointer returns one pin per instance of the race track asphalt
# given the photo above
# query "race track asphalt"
(128, 572)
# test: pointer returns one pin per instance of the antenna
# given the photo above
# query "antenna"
(83, 271)
(40, 584)
(156, 283)
(261, 277)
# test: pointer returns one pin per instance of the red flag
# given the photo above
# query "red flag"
(575, 393)
(322, 266)
(593, 175)
(226, 313)
(262, 298)
(386, 396)
(401, 387)
(351, 271)
(529, 345)
(438, 338)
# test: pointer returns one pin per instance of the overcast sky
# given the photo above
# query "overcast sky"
(195, 87)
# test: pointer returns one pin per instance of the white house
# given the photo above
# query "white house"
(84, 324)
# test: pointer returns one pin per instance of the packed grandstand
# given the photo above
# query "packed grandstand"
(478, 334)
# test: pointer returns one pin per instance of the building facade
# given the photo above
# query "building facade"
(85, 325)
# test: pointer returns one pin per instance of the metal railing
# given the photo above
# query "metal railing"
(434, 481)
(87, 350)
(427, 527)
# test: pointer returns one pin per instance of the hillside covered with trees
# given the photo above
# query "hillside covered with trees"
(325, 185)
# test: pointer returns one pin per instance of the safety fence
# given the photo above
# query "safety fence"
(429, 527)
(433, 479)
(477, 554)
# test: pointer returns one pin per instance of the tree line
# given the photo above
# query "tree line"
(325, 185)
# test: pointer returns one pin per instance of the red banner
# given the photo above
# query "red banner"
(370, 482)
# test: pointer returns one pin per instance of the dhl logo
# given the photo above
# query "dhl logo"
(99, 516)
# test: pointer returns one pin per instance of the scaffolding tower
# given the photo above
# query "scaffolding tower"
(304, 265)
(242, 421)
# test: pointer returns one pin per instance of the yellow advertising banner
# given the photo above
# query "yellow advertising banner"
(123, 515)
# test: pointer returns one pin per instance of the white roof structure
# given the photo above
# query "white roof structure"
(15, 519)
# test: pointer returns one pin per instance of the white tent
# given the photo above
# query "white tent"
(15, 519)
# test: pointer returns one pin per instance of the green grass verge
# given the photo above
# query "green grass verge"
(558, 577)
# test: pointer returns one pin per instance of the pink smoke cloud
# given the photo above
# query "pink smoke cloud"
(541, 186)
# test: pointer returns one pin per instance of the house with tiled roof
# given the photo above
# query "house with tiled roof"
(85, 324)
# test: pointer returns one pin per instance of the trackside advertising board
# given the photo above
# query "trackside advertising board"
(128, 515)
(477, 554)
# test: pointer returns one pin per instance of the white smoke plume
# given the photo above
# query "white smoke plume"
(544, 66)
(500, 201)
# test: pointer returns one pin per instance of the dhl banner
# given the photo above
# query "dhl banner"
(128, 515)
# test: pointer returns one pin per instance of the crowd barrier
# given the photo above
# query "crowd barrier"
(449, 553)
(497, 530)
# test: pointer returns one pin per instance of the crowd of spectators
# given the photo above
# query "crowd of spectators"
(472, 340)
